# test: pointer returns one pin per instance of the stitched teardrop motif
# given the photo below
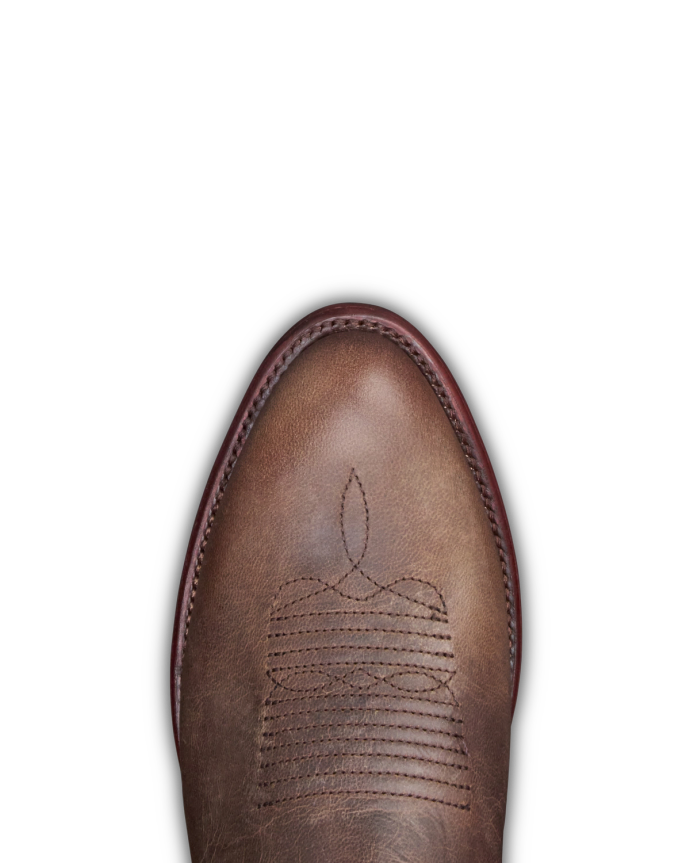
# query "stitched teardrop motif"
(361, 702)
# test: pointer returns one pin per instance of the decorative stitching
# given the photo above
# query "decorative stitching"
(352, 476)
(360, 647)
(352, 629)
(356, 672)
(433, 608)
(310, 697)
(442, 685)
(357, 791)
(358, 708)
(330, 739)
(385, 613)
(382, 588)
(365, 755)
(455, 734)
(317, 774)
(388, 679)
(425, 668)
(338, 325)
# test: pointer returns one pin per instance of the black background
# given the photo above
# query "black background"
(179, 371)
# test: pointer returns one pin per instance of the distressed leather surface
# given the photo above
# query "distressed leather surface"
(345, 691)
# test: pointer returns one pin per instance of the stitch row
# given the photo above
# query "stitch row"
(360, 709)
(357, 791)
(329, 739)
(319, 774)
(425, 668)
(443, 654)
(388, 680)
(386, 613)
(340, 325)
(354, 629)
(310, 697)
(363, 725)
(363, 755)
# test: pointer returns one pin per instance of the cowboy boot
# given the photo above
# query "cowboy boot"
(347, 641)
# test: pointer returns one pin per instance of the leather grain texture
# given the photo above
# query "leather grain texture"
(347, 640)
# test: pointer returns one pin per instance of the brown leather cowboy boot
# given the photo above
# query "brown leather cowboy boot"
(347, 639)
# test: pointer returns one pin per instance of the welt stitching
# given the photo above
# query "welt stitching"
(465, 806)
(317, 774)
(364, 755)
(367, 709)
(273, 376)
(444, 654)
(353, 629)
(330, 739)
(455, 734)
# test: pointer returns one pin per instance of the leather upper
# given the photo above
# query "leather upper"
(345, 693)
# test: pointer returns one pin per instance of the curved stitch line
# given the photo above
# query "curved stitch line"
(342, 520)
(355, 629)
(364, 755)
(336, 325)
(443, 654)
(363, 725)
(389, 588)
(326, 586)
(381, 589)
(465, 806)
(330, 739)
(317, 774)
(291, 581)
(388, 680)
(355, 568)
(359, 709)
(309, 595)
(355, 565)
